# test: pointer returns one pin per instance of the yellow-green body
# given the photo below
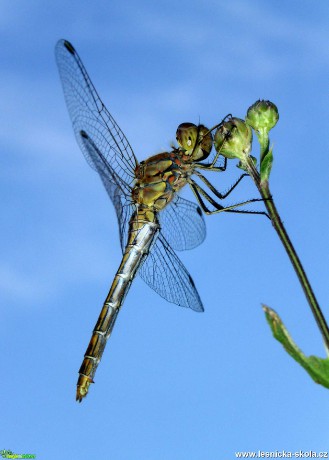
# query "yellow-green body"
(157, 180)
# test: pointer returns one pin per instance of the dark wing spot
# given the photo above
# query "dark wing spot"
(69, 47)
(191, 280)
(84, 134)
(198, 210)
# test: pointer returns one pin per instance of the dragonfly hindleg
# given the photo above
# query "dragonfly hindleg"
(219, 195)
(199, 192)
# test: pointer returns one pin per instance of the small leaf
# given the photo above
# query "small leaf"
(317, 368)
(266, 166)
(244, 166)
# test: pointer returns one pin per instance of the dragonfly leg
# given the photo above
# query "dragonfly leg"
(219, 195)
(211, 167)
(199, 193)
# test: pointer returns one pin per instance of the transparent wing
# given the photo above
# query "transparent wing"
(113, 184)
(89, 114)
(162, 270)
(182, 224)
(165, 273)
(108, 151)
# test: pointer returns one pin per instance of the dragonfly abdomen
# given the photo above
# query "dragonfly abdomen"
(143, 229)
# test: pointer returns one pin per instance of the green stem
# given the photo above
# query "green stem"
(264, 142)
(264, 190)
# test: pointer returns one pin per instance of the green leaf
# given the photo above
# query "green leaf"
(244, 166)
(317, 368)
(266, 166)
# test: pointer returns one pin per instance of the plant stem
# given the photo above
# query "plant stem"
(264, 190)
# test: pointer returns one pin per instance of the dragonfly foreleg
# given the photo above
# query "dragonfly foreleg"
(199, 192)
(211, 167)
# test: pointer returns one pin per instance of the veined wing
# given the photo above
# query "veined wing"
(108, 151)
(89, 114)
(182, 224)
(163, 271)
(113, 184)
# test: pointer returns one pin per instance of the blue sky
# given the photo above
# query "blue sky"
(173, 384)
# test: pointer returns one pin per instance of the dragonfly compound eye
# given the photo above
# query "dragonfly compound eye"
(186, 136)
(204, 145)
(195, 140)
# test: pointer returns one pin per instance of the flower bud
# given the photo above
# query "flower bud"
(262, 115)
(233, 139)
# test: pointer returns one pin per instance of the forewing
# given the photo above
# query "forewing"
(165, 273)
(108, 151)
(89, 114)
(182, 224)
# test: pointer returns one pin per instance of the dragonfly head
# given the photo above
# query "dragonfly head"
(195, 140)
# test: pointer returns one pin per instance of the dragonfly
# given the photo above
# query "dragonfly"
(154, 220)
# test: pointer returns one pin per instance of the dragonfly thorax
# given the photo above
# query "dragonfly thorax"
(158, 179)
